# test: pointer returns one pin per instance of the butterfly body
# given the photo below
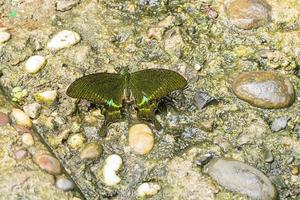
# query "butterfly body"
(139, 92)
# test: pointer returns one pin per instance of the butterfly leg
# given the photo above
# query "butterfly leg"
(147, 113)
(111, 116)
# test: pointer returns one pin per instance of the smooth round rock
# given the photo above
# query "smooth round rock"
(48, 163)
(4, 119)
(48, 97)
(4, 36)
(34, 64)
(91, 151)
(141, 138)
(64, 184)
(240, 177)
(21, 129)
(27, 139)
(20, 154)
(21, 118)
(264, 89)
(63, 39)
(248, 14)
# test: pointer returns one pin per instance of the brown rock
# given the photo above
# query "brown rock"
(264, 89)
(91, 151)
(3, 119)
(48, 163)
(248, 14)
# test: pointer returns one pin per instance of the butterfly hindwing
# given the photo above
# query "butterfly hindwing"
(150, 84)
(103, 88)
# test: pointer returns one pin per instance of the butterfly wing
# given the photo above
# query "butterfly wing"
(103, 88)
(150, 84)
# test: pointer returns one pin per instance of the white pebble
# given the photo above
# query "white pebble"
(47, 97)
(27, 139)
(112, 165)
(148, 189)
(34, 64)
(21, 118)
(4, 36)
(32, 110)
(64, 184)
(63, 39)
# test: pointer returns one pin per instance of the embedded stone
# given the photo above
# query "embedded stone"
(248, 14)
(264, 89)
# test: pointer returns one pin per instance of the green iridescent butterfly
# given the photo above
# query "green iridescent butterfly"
(139, 91)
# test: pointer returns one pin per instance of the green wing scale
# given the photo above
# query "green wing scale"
(153, 84)
(102, 88)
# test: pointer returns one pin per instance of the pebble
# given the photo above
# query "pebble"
(140, 139)
(4, 37)
(64, 184)
(21, 118)
(27, 139)
(32, 110)
(207, 125)
(112, 164)
(268, 156)
(47, 97)
(248, 14)
(202, 160)
(4, 119)
(63, 39)
(148, 189)
(91, 151)
(202, 99)
(34, 64)
(48, 163)
(76, 141)
(21, 129)
(264, 89)
(21, 154)
(240, 177)
(294, 170)
(64, 5)
(279, 123)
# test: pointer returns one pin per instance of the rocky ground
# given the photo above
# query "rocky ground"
(233, 133)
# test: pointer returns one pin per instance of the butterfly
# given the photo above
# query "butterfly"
(139, 91)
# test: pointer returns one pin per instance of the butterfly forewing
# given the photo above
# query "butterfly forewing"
(155, 83)
(99, 88)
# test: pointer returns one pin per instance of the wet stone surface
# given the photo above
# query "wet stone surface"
(248, 14)
(238, 176)
(264, 89)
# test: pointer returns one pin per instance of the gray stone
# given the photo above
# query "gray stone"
(268, 156)
(279, 123)
(64, 5)
(32, 110)
(64, 184)
(264, 89)
(240, 177)
(202, 99)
